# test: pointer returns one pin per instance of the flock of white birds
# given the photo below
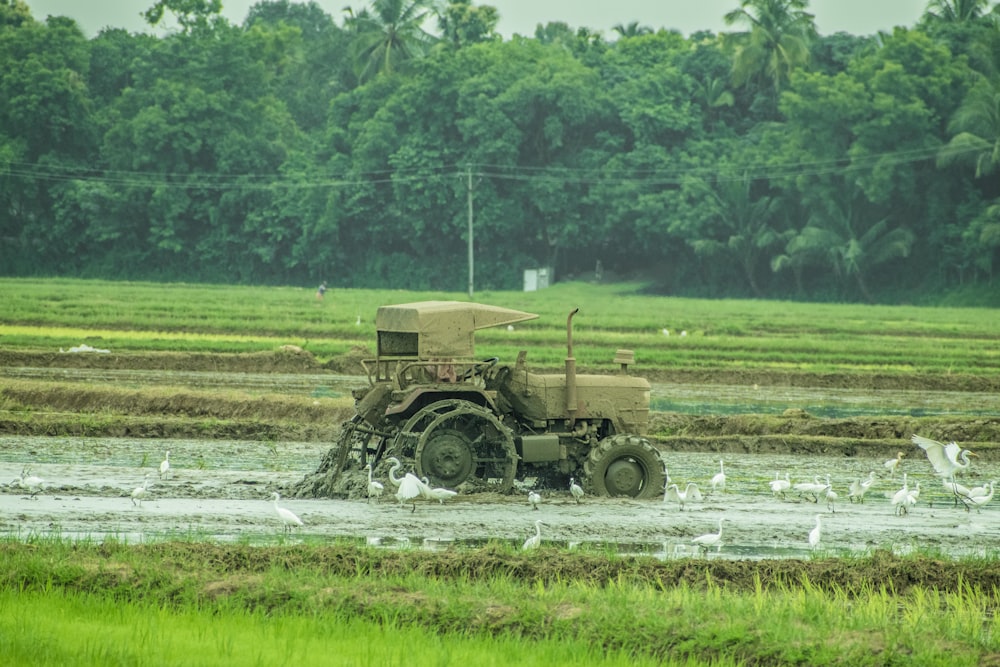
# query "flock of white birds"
(947, 461)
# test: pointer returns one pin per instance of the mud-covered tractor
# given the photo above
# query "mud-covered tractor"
(476, 424)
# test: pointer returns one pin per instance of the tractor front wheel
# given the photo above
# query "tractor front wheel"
(625, 465)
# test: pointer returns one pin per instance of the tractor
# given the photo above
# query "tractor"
(475, 424)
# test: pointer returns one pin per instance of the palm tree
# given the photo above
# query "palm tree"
(633, 29)
(976, 128)
(956, 11)
(777, 43)
(744, 225)
(837, 237)
(389, 35)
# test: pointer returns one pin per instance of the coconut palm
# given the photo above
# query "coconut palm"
(389, 34)
(956, 11)
(743, 224)
(976, 129)
(633, 29)
(777, 43)
(840, 238)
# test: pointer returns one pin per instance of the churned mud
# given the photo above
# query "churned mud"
(222, 490)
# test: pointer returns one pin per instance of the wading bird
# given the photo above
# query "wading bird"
(674, 493)
(816, 534)
(900, 498)
(533, 499)
(409, 487)
(26, 480)
(139, 492)
(830, 495)
(709, 540)
(375, 487)
(911, 498)
(437, 493)
(892, 464)
(165, 465)
(813, 488)
(719, 480)
(979, 499)
(287, 516)
(958, 491)
(576, 490)
(859, 488)
(536, 539)
(779, 486)
(947, 459)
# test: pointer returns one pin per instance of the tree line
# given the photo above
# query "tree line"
(764, 161)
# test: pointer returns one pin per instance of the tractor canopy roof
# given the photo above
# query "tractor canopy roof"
(430, 329)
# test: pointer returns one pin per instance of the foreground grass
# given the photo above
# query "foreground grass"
(73, 603)
(84, 629)
(723, 334)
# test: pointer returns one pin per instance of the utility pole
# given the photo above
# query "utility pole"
(471, 259)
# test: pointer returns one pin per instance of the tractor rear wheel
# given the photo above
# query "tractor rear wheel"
(458, 442)
(625, 465)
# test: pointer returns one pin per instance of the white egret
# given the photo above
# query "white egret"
(437, 493)
(981, 490)
(958, 491)
(410, 486)
(947, 459)
(813, 488)
(576, 490)
(139, 492)
(709, 540)
(779, 486)
(830, 495)
(674, 493)
(534, 498)
(911, 498)
(536, 539)
(859, 488)
(396, 465)
(816, 534)
(900, 498)
(892, 464)
(165, 466)
(719, 480)
(32, 483)
(287, 516)
(375, 487)
(981, 499)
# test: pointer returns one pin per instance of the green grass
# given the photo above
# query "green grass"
(730, 335)
(192, 603)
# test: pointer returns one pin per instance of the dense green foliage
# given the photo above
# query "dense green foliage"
(769, 161)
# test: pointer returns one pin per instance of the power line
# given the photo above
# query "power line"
(560, 175)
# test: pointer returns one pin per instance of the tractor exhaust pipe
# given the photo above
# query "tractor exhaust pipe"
(571, 402)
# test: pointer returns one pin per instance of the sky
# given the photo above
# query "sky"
(858, 17)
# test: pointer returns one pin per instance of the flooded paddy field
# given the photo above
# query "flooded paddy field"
(220, 490)
(824, 402)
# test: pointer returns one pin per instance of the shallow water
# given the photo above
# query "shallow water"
(688, 398)
(221, 490)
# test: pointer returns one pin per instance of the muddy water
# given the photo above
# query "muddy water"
(688, 398)
(221, 490)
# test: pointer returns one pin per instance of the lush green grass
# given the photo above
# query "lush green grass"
(726, 334)
(92, 629)
(170, 603)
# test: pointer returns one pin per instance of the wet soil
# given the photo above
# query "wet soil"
(291, 361)
(222, 492)
(241, 426)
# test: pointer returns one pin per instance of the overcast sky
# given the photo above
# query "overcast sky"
(858, 17)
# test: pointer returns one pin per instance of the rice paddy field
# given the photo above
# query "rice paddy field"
(248, 386)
